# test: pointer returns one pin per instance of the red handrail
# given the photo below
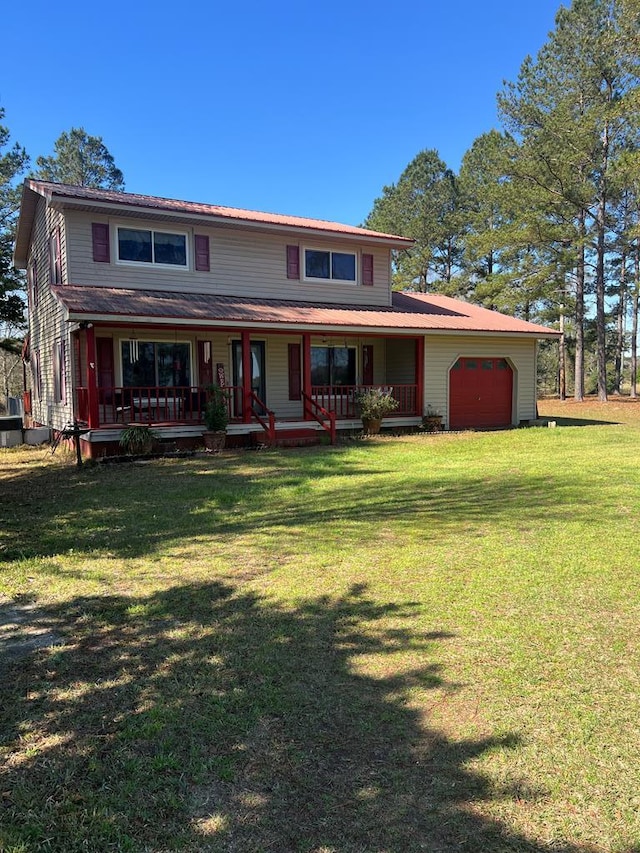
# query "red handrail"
(321, 415)
(270, 426)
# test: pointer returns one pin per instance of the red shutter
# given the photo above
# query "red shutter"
(293, 262)
(295, 372)
(100, 237)
(367, 364)
(367, 270)
(205, 363)
(202, 252)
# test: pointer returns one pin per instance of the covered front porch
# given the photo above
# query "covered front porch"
(275, 382)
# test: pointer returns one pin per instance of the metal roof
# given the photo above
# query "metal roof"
(410, 312)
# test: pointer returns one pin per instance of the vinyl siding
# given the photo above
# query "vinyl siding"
(243, 263)
(47, 323)
(441, 353)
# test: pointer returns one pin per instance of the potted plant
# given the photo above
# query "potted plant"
(431, 420)
(138, 440)
(216, 417)
(375, 404)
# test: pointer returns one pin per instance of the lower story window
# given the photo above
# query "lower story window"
(333, 366)
(153, 363)
(59, 373)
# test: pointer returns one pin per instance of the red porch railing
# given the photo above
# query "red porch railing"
(343, 399)
(149, 405)
(185, 405)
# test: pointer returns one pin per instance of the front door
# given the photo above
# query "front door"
(258, 383)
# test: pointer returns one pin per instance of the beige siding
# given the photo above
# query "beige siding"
(243, 263)
(441, 353)
(47, 324)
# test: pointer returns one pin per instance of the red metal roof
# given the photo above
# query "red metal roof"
(412, 312)
(68, 192)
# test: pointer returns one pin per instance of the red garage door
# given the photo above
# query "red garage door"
(480, 393)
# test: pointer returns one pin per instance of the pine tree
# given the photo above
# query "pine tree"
(12, 163)
(81, 160)
(422, 205)
(575, 110)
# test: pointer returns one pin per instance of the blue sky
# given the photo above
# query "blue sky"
(306, 108)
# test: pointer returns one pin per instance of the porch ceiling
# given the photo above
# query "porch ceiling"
(412, 313)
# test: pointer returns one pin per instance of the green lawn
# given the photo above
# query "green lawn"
(411, 644)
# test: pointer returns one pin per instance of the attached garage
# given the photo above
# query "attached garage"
(480, 393)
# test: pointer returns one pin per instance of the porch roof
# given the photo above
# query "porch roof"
(409, 312)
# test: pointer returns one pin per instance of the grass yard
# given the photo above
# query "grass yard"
(427, 643)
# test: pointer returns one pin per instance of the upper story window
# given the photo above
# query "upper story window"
(152, 247)
(323, 265)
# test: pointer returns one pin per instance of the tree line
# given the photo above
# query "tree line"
(542, 220)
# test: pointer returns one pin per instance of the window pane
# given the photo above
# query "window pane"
(319, 366)
(170, 248)
(173, 365)
(316, 264)
(487, 364)
(343, 266)
(134, 245)
(471, 365)
(140, 371)
(343, 366)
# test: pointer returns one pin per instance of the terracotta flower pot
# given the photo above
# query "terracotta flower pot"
(214, 441)
(371, 426)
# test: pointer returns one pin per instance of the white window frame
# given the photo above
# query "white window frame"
(330, 252)
(152, 264)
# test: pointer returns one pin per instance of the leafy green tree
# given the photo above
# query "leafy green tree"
(82, 160)
(13, 161)
(422, 205)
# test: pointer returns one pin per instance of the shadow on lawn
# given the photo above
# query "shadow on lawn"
(580, 422)
(131, 511)
(205, 718)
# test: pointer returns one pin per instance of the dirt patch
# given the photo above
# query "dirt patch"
(23, 629)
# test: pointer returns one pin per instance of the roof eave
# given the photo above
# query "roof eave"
(28, 207)
(265, 325)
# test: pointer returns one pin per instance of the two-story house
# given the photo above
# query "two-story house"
(137, 304)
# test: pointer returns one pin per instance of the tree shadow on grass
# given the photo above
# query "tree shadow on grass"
(207, 718)
(580, 422)
(131, 512)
